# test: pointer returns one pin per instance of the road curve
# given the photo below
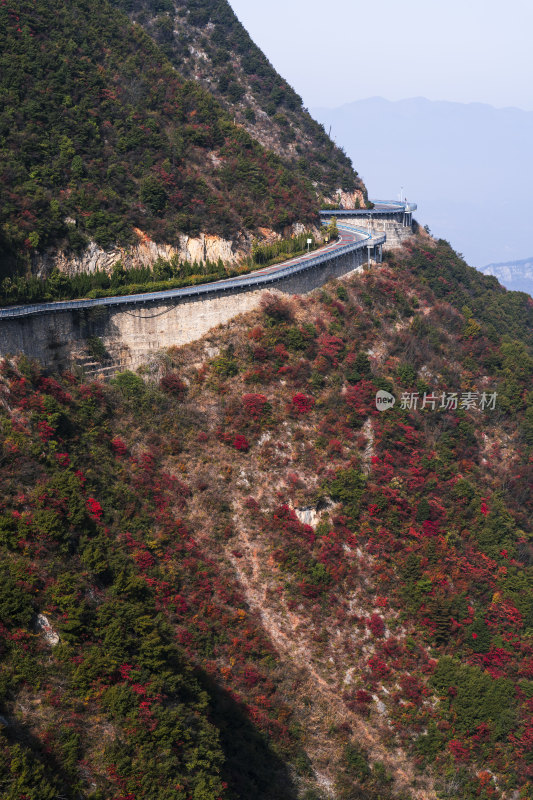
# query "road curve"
(350, 239)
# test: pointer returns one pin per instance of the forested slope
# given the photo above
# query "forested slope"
(211, 642)
(100, 135)
(206, 42)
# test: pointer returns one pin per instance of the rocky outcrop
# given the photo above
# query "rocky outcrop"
(347, 199)
(43, 627)
(143, 254)
(146, 252)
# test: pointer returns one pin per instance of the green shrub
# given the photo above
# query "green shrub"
(16, 607)
(356, 762)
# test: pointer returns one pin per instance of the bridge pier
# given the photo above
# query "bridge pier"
(374, 254)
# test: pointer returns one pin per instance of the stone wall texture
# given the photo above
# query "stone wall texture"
(392, 225)
(134, 332)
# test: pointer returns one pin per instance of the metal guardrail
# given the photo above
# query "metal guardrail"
(408, 207)
(386, 208)
(226, 284)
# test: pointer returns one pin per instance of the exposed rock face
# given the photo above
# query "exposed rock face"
(347, 199)
(146, 252)
(311, 515)
(143, 254)
(43, 626)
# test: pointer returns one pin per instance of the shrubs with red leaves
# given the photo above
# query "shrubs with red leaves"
(255, 405)
(276, 307)
(302, 403)
(361, 398)
(94, 508)
(376, 625)
(330, 348)
(458, 749)
(46, 431)
(172, 384)
(118, 446)
(241, 443)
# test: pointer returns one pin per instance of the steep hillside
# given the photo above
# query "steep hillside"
(101, 139)
(206, 42)
(255, 585)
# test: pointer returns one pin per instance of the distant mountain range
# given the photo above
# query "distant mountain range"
(515, 275)
(468, 166)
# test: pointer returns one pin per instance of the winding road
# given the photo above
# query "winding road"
(350, 239)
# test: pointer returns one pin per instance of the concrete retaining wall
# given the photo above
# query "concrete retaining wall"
(134, 332)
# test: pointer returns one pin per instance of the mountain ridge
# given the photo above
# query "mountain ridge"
(204, 39)
(101, 136)
(515, 275)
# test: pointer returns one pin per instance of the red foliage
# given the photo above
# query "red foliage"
(251, 676)
(281, 352)
(376, 625)
(171, 383)
(277, 307)
(254, 404)
(458, 749)
(378, 667)
(94, 508)
(260, 354)
(334, 447)
(46, 432)
(330, 348)
(302, 403)
(241, 443)
(361, 398)
(412, 689)
(119, 447)
(52, 387)
(256, 333)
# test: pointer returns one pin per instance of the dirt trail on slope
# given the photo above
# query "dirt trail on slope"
(291, 635)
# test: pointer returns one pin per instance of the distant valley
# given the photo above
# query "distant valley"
(468, 166)
(514, 275)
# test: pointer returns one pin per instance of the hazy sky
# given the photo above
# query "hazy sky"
(336, 52)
